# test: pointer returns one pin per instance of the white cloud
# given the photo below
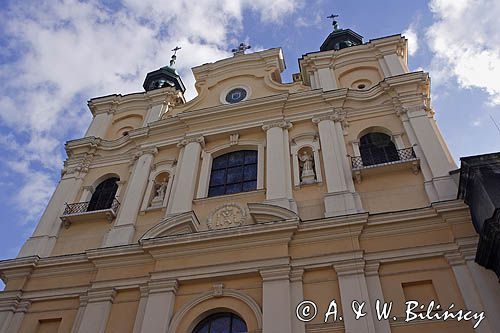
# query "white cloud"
(411, 34)
(465, 41)
(61, 53)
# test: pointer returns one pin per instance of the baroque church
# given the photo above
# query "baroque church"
(257, 206)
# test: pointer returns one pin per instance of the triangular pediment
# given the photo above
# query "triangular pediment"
(184, 223)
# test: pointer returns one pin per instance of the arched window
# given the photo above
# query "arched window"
(233, 172)
(377, 148)
(221, 323)
(104, 194)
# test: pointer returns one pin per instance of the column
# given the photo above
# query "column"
(124, 227)
(278, 170)
(79, 314)
(433, 149)
(353, 287)
(141, 309)
(296, 296)
(96, 313)
(341, 198)
(276, 300)
(186, 175)
(159, 306)
(468, 288)
(99, 125)
(375, 293)
(44, 237)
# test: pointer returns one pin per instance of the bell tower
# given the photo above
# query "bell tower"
(165, 76)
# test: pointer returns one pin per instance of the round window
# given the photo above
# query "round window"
(236, 95)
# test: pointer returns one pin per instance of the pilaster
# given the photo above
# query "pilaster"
(467, 288)
(97, 310)
(276, 300)
(123, 230)
(375, 293)
(99, 125)
(296, 296)
(159, 306)
(341, 198)
(278, 169)
(186, 175)
(353, 287)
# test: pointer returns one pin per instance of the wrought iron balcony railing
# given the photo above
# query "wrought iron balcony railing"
(403, 155)
(75, 211)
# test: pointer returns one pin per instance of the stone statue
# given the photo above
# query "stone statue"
(161, 189)
(307, 176)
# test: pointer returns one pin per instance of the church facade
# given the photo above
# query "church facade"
(225, 213)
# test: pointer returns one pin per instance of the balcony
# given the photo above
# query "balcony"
(405, 158)
(80, 211)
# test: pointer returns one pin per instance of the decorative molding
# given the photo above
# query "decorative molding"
(179, 224)
(234, 138)
(246, 299)
(263, 213)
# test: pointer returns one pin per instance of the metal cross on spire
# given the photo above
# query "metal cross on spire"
(174, 56)
(241, 49)
(335, 23)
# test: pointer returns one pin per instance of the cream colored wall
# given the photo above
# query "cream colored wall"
(126, 121)
(368, 73)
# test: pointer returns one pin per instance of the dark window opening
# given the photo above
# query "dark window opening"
(104, 194)
(233, 173)
(221, 323)
(377, 148)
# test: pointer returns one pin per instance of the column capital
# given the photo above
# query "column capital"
(296, 274)
(146, 151)
(163, 285)
(371, 269)
(455, 259)
(336, 115)
(9, 300)
(101, 295)
(353, 267)
(189, 139)
(275, 274)
(23, 306)
(285, 124)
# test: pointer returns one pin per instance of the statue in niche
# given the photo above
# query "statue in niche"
(160, 189)
(307, 175)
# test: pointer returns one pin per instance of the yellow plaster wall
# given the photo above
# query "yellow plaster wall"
(124, 121)
(65, 310)
(81, 236)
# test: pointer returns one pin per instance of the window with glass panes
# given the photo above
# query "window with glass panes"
(233, 173)
(221, 323)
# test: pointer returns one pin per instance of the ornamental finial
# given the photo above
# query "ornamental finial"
(241, 49)
(335, 23)
(174, 56)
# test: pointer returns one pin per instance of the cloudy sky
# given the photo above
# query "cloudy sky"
(55, 55)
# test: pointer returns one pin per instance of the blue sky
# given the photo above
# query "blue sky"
(55, 55)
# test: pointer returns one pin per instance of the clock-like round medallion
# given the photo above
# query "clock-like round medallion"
(236, 95)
